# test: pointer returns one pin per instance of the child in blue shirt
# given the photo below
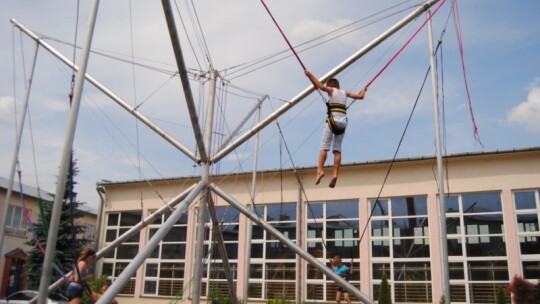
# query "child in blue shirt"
(343, 271)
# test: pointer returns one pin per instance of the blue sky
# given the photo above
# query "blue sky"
(501, 43)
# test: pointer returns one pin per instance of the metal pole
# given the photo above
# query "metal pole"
(18, 131)
(291, 245)
(184, 78)
(132, 231)
(222, 249)
(108, 92)
(131, 268)
(199, 247)
(65, 163)
(241, 124)
(328, 75)
(249, 225)
(445, 278)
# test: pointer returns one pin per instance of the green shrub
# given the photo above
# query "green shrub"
(385, 295)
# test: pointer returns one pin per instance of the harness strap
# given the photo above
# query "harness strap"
(335, 107)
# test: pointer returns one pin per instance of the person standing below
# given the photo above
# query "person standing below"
(80, 275)
(334, 129)
(343, 271)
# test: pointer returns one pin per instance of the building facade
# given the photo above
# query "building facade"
(17, 231)
(383, 217)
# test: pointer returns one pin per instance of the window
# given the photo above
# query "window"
(116, 260)
(164, 268)
(476, 246)
(214, 280)
(273, 265)
(15, 221)
(337, 223)
(400, 248)
(527, 209)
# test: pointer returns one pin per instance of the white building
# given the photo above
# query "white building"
(492, 223)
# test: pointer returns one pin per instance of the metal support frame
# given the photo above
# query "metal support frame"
(184, 77)
(222, 249)
(204, 145)
(445, 277)
(291, 245)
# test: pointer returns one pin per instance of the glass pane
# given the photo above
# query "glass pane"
(488, 271)
(110, 235)
(281, 212)
(409, 206)
(227, 214)
(379, 269)
(451, 204)
(417, 271)
(130, 218)
(17, 217)
(127, 251)
(410, 227)
(287, 229)
(453, 225)
(182, 220)
(150, 287)
(529, 244)
(342, 229)
(107, 269)
(132, 239)
(276, 250)
(313, 273)
(485, 246)
(456, 271)
(339, 210)
(257, 233)
(112, 220)
(527, 222)
(151, 270)
(230, 232)
(255, 271)
(380, 248)
(314, 211)
(411, 248)
(171, 270)
(314, 230)
(380, 228)
(230, 248)
(531, 270)
(379, 208)
(315, 249)
(454, 247)
(176, 234)
(481, 202)
(256, 251)
(280, 271)
(525, 200)
(255, 290)
(218, 271)
(281, 290)
(483, 224)
(315, 292)
(413, 293)
(173, 251)
(345, 249)
(119, 268)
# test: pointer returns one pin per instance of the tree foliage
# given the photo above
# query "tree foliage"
(385, 295)
(66, 250)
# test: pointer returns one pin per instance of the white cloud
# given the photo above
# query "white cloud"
(6, 110)
(528, 111)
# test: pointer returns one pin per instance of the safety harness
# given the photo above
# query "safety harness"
(335, 107)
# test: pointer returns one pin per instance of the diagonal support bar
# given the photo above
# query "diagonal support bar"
(291, 245)
(107, 92)
(332, 73)
(184, 78)
(222, 249)
(139, 259)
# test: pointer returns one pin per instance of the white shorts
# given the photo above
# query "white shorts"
(329, 139)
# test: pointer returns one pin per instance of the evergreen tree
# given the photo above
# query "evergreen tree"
(500, 298)
(385, 296)
(66, 250)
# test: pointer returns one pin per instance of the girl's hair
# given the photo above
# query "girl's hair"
(332, 82)
(337, 259)
(87, 252)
